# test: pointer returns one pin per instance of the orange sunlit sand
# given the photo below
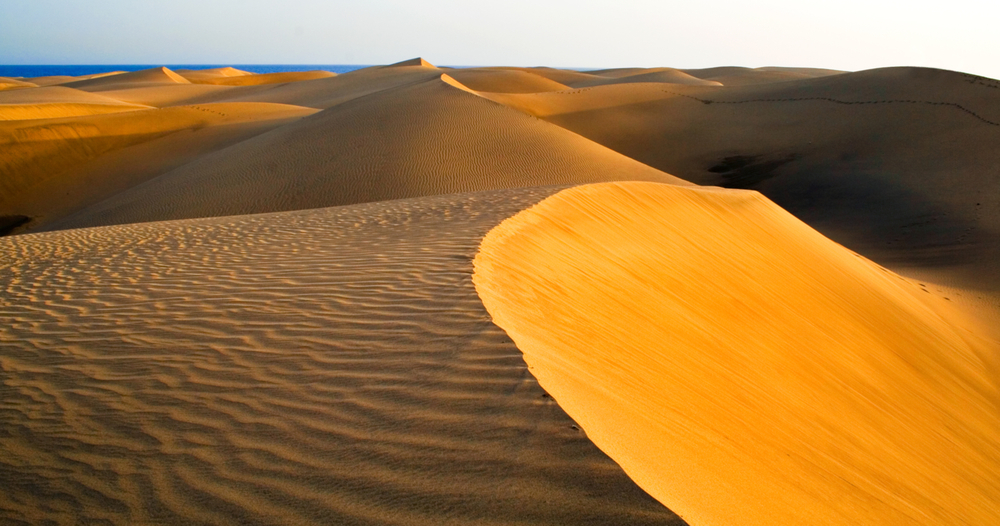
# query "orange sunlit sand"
(414, 294)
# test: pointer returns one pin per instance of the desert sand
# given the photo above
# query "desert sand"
(413, 294)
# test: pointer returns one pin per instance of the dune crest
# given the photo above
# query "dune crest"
(412, 62)
(741, 367)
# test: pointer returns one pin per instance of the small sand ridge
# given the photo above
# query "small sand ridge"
(330, 366)
(744, 369)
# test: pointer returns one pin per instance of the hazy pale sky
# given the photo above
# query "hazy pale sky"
(850, 34)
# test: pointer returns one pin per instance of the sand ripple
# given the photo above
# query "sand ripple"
(326, 366)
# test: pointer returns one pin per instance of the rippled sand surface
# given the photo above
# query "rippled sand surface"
(327, 366)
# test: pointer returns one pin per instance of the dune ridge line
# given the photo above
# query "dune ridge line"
(741, 367)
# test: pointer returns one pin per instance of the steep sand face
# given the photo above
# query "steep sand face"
(898, 164)
(426, 139)
(57, 101)
(125, 80)
(317, 367)
(42, 159)
(744, 369)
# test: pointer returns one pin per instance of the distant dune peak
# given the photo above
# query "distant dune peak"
(413, 62)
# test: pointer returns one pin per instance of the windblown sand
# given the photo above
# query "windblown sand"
(302, 342)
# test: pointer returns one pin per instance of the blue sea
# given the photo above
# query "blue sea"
(77, 70)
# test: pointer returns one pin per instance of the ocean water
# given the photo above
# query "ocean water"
(78, 69)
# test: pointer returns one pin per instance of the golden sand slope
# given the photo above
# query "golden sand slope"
(123, 80)
(7, 83)
(898, 164)
(327, 366)
(632, 76)
(429, 138)
(62, 79)
(50, 153)
(163, 95)
(741, 367)
(254, 79)
(56, 101)
(195, 75)
(502, 80)
(328, 92)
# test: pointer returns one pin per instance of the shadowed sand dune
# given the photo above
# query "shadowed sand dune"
(899, 164)
(58, 101)
(328, 366)
(163, 95)
(424, 139)
(744, 369)
(62, 79)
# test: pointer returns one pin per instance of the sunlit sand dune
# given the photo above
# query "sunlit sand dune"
(317, 367)
(268, 356)
(630, 76)
(254, 79)
(744, 369)
(501, 80)
(898, 164)
(195, 75)
(129, 79)
(57, 101)
(737, 76)
(7, 83)
(425, 139)
(163, 95)
(327, 92)
(43, 159)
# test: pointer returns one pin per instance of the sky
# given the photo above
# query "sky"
(849, 34)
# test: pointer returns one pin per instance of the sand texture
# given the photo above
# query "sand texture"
(428, 138)
(760, 296)
(741, 367)
(899, 164)
(328, 367)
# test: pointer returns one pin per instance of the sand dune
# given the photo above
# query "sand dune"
(424, 139)
(738, 76)
(869, 158)
(412, 62)
(327, 366)
(62, 79)
(268, 359)
(500, 80)
(56, 101)
(164, 95)
(127, 80)
(7, 83)
(636, 75)
(211, 73)
(254, 79)
(327, 92)
(49, 153)
(744, 369)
